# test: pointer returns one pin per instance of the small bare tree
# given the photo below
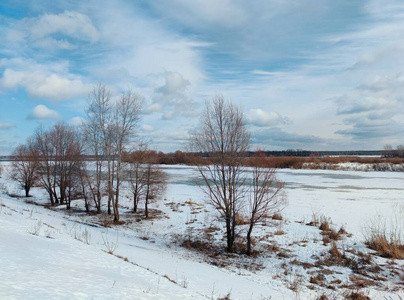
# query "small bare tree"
(400, 150)
(265, 195)
(25, 166)
(137, 174)
(223, 135)
(388, 151)
(155, 182)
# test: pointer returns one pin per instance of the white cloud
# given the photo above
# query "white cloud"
(173, 94)
(43, 31)
(155, 107)
(76, 121)
(147, 127)
(261, 118)
(168, 115)
(41, 112)
(6, 126)
(174, 84)
(42, 85)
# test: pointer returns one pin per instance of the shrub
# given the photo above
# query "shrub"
(387, 243)
(384, 246)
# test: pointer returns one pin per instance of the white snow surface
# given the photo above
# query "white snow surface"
(53, 254)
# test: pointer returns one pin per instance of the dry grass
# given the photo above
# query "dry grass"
(277, 217)
(319, 279)
(387, 243)
(356, 296)
(279, 232)
(325, 226)
(384, 246)
(242, 220)
(327, 162)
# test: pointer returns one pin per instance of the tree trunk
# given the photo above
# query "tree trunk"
(134, 202)
(109, 185)
(118, 182)
(146, 202)
(27, 191)
(146, 210)
(230, 237)
(249, 238)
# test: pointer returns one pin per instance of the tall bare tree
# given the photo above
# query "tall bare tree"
(46, 168)
(222, 134)
(111, 127)
(265, 195)
(99, 115)
(126, 117)
(25, 165)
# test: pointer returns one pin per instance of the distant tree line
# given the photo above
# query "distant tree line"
(390, 152)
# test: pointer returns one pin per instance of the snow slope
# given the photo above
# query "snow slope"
(48, 254)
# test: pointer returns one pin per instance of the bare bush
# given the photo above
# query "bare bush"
(111, 246)
(265, 196)
(36, 228)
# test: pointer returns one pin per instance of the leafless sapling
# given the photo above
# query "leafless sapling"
(265, 195)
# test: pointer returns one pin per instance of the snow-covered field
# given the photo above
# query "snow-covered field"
(53, 254)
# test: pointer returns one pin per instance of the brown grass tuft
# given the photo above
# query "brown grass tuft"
(325, 226)
(356, 296)
(277, 217)
(319, 279)
(242, 220)
(386, 248)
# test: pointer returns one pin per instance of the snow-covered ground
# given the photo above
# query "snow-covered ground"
(53, 254)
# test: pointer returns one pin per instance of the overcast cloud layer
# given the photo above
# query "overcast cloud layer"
(324, 76)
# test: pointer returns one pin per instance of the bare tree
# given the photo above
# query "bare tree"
(46, 168)
(98, 142)
(85, 185)
(68, 153)
(388, 151)
(25, 165)
(60, 152)
(154, 181)
(137, 174)
(265, 195)
(400, 150)
(222, 133)
(126, 117)
(110, 130)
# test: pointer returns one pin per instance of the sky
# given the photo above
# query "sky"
(318, 75)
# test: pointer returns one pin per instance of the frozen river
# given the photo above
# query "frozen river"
(349, 198)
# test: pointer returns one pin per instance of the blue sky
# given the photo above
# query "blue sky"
(318, 75)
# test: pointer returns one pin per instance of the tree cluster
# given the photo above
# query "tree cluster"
(55, 158)
(52, 158)
(231, 187)
(389, 151)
